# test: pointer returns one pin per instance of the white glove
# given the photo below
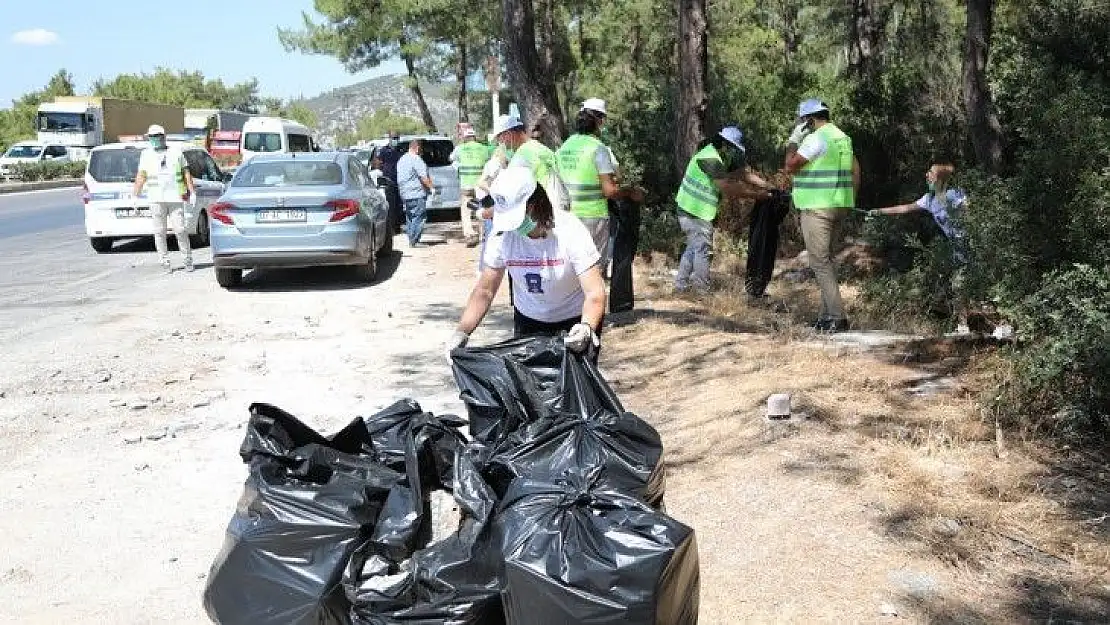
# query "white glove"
(458, 339)
(580, 337)
(801, 131)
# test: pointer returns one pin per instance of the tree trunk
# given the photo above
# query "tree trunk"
(534, 89)
(866, 31)
(983, 124)
(789, 31)
(460, 78)
(414, 86)
(693, 102)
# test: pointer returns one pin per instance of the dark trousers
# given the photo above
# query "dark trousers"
(524, 326)
(763, 242)
(624, 217)
(396, 208)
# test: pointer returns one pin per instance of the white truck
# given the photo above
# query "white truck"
(89, 121)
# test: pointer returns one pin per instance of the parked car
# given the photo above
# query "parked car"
(445, 177)
(299, 210)
(110, 212)
(32, 152)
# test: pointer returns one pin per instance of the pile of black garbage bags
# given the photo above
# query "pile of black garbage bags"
(560, 492)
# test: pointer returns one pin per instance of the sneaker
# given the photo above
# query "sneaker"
(189, 265)
(166, 266)
(472, 241)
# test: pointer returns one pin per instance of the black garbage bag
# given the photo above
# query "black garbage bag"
(509, 385)
(454, 581)
(544, 411)
(307, 504)
(575, 553)
(423, 447)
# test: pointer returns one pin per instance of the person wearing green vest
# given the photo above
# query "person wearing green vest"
(524, 151)
(586, 168)
(826, 180)
(470, 156)
(719, 169)
(163, 174)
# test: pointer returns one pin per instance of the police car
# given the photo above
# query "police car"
(112, 214)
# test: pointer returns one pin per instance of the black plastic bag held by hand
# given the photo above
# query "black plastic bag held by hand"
(305, 507)
(575, 554)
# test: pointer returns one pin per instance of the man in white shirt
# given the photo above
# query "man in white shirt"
(164, 174)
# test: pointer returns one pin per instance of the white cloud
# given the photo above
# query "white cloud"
(35, 37)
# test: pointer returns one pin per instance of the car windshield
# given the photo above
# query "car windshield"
(288, 173)
(116, 165)
(24, 151)
(437, 152)
(262, 142)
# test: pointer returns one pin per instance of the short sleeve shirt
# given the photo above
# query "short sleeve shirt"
(603, 159)
(545, 272)
(161, 168)
(813, 147)
(410, 169)
(489, 172)
(943, 209)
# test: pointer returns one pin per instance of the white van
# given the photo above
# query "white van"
(266, 135)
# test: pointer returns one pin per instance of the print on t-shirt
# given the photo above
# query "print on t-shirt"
(534, 282)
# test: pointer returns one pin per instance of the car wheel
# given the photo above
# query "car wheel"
(229, 278)
(367, 271)
(101, 244)
(387, 245)
(203, 236)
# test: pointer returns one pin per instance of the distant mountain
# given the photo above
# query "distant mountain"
(341, 108)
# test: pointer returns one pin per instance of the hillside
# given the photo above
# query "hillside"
(384, 91)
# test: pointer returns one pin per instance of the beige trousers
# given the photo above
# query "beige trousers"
(821, 231)
(466, 195)
(170, 215)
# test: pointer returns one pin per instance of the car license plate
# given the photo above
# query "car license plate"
(132, 212)
(280, 215)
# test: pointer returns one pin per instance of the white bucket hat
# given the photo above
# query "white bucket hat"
(595, 104)
(506, 122)
(510, 192)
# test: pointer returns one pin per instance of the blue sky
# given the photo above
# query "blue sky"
(103, 39)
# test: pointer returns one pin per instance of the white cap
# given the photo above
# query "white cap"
(469, 132)
(733, 135)
(595, 104)
(155, 129)
(510, 192)
(506, 122)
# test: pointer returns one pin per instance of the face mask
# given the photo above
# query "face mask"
(605, 134)
(932, 186)
(526, 227)
(157, 143)
(508, 151)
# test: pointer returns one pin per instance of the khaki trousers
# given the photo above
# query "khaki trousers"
(466, 195)
(171, 216)
(821, 231)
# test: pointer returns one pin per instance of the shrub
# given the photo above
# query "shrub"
(1061, 376)
(47, 170)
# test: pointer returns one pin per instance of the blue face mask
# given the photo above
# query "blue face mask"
(158, 143)
(932, 187)
(526, 227)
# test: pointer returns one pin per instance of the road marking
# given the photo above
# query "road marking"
(92, 278)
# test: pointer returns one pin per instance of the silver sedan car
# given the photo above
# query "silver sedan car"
(301, 209)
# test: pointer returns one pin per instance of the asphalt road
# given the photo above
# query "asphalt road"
(40, 211)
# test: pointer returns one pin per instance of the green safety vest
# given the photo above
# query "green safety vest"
(579, 174)
(472, 158)
(698, 194)
(538, 157)
(826, 183)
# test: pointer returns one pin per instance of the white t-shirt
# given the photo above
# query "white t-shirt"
(546, 271)
(813, 147)
(161, 168)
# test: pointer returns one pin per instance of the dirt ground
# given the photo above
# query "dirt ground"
(883, 500)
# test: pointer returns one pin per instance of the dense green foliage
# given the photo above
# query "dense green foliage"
(18, 122)
(47, 170)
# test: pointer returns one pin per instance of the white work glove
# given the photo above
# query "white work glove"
(580, 337)
(458, 339)
(801, 131)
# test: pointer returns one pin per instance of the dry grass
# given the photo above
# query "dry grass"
(1023, 537)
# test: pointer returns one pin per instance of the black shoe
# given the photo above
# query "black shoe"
(831, 326)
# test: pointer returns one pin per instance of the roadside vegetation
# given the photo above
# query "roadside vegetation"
(37, 172)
